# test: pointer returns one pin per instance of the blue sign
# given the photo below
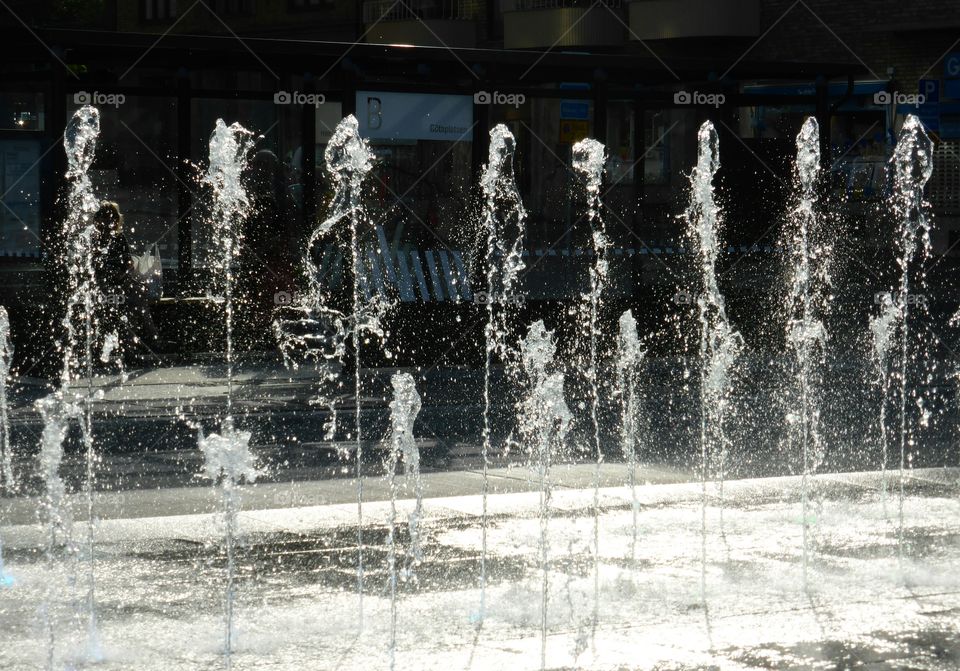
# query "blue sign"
(950, 120)
(930, 90)
(575, 109)
(951, 66)
(950, 128)
(930, 117)
(951, 89)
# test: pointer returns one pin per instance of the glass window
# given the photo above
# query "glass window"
(135, 166)
(656, 141)
(228, 8)
(620, 143)
(261, 117)
(20, 205)
(22, 111)
(159, 10)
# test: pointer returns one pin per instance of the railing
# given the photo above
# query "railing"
(518, 5)
(412, 10)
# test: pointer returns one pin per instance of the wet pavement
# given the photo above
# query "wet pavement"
(869, 601)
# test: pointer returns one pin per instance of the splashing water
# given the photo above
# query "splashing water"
(589, 157)
(883, 331)
(228, 462)
(8, 482)
(349, 161)
(545, 421)
(55, 413)
(81, 327)
(80, 144)
(504, 218)
(229, 154)
(403, 413)
(629, 356)
(227, 457)
(912, 166)
(79, 230)
(807, 303)
(720, 344)
(404, 409)
(313, 327)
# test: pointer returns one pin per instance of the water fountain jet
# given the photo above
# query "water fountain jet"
(81, 327)
(720, 344)
(227, 458)
(503, 221)
(404, 409)
(912, 166)
(630, 354)
(8, 481)
(808, 298)
(589, 158)
(349, 161)
(545, 421)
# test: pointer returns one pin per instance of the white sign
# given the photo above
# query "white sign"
(415, 116)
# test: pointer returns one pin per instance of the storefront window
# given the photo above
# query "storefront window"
(135, 166)
(421, 183)
(20, 205)
(274, 164)
(22, 111)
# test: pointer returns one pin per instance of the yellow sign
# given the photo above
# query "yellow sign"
(572, 130)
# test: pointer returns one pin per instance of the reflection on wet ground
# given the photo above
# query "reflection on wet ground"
(160, 587)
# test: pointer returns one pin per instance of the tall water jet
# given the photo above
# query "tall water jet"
(720, 344)
(55, 413)
(349, 161)
(808, 299)
(8, 480)
(630, 354)
(228, 462)
(882, 332)
(589, 157)
(912, 166)
(404, 409)
(81, 325)
(229, 154)
(504, 218)
(545, 421)
(227, 455)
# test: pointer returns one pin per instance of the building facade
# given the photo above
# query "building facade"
(428, 78)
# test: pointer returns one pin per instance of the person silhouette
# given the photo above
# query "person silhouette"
(123, 307)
